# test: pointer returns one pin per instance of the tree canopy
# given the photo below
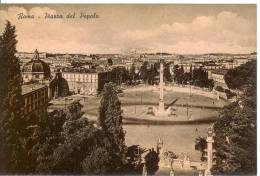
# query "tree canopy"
(12, 158)
(238, 77)
(110, 120)
(235, 140)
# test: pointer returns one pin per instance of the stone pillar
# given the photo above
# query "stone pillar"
(210, 142)
(160, 151)
(144, 170)
(161, 102)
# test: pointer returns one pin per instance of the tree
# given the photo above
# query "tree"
(110, 120)
(13, 158)
(152, 160)
(179, 74)
(67, 143)
(191, 72)
(132, 72)
(144, 72)
(109, 62)
(152, 73)
(210, 84)
(201, 145)
(176, 73)
(167, 74)
(186, 78)
(199, 77)
(120, 75)
(235, 140)
(237, 77)
(98, 162)
(42, 141)
(134, 164)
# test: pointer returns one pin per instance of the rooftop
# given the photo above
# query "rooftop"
(27, 88)
(84, 70)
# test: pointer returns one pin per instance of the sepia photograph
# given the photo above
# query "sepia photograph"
(128, 89)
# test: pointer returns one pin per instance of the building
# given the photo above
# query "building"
(22, 55)
(58, 86)
(218, 77)
(35, 99)
(212, 66)
(35, 69)
(87, 82)
(228, 64)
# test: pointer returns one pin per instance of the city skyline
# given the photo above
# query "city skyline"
(178, 29)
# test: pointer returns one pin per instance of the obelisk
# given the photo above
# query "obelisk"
(161, 102)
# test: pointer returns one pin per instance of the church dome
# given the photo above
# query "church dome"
(37, 66)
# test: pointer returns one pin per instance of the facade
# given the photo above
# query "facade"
(90, 83)
(212, 66)
(58, 87)
(218, 77)
(35, 99)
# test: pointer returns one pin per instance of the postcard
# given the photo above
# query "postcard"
(128, 89)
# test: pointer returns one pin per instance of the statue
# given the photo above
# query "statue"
(210, 131)
(159, 145)
(172, 172)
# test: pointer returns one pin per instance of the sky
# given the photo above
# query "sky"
(179, 29)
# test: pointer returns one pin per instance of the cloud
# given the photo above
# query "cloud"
(222, 32)
(226, 32)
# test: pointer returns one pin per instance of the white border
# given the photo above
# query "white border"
(258, 79)
(162, 2)
(132, 1)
